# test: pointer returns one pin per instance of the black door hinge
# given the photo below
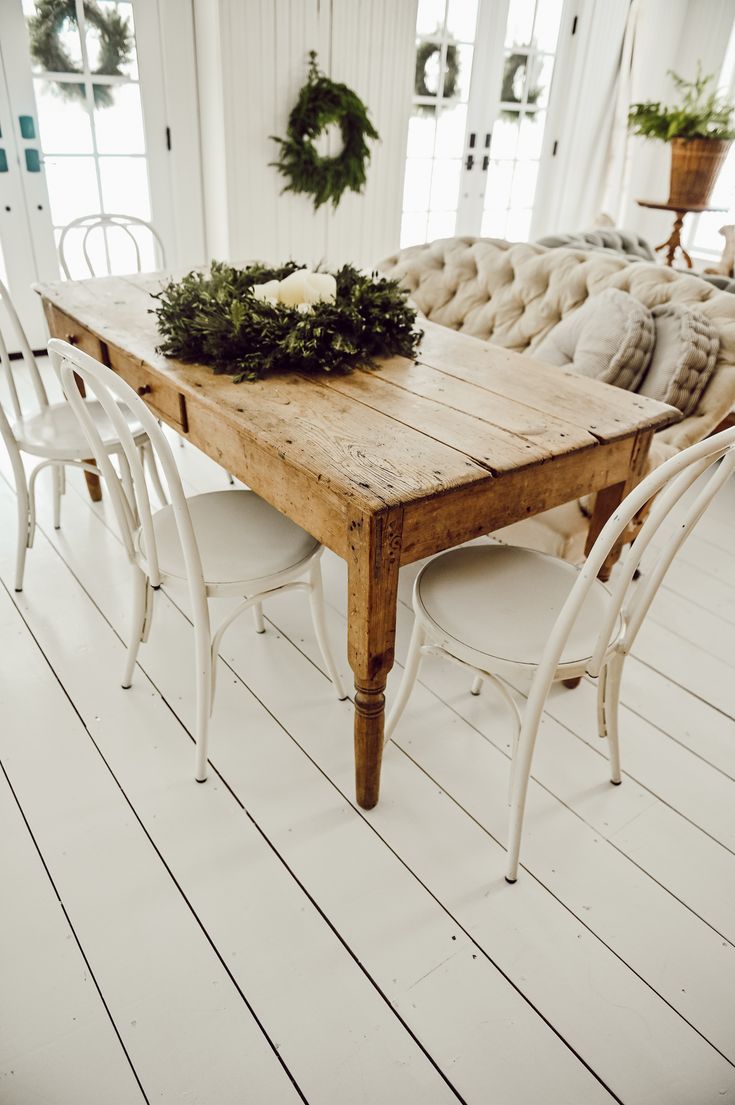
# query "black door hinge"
(574, 25)
(168, 138)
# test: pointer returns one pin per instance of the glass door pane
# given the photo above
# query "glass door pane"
(531, 36)
(445, 31)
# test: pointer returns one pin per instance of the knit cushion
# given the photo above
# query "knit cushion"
(683, 358)
(609, 338)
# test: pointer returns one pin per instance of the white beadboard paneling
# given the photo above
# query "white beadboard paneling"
(210, 81)
(372, 51)
(253, 57)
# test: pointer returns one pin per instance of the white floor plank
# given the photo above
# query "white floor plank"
(58, 1045)
(245, 899)
(130, 919)
(707, 632)
(342, 862)
(705, 731)
(574, 862)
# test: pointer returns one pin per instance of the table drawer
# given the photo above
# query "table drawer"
(61, 326)
(164, 399)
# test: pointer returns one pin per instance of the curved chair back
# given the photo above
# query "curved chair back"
(712, 461)
(123, 225)
(28, 360)
(131, 504)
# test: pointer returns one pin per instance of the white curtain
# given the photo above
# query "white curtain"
(588, 69)
(623, 52)
(661, 35)
(618, 159)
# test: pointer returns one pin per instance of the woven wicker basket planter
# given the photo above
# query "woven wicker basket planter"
(695, 164)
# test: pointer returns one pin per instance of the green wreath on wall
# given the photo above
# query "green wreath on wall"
(516, 73)
(116, 45)
(320, 103)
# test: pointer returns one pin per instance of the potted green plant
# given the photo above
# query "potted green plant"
(700, 130)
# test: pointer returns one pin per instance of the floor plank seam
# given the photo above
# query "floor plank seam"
(69, 921)
(158, 852)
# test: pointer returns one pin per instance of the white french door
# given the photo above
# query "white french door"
(79, 142)
(477, 140)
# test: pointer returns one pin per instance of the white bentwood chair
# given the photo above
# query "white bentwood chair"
(504, 612)
(120, 225)
(219, 544)
(50, 431)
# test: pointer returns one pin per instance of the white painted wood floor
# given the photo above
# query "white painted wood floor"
(260, 939)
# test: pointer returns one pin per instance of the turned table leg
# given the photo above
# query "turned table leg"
(375, 547)
(94, 488)
(609, 499)
(93, 483)
(606, 503)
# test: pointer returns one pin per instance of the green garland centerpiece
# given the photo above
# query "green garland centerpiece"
(116, 45)
(258, 321)
(322, 102)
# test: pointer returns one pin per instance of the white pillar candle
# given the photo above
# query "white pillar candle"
(296, 289)
(267, 292)
(325, 286)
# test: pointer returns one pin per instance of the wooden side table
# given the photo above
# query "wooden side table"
(674, 241)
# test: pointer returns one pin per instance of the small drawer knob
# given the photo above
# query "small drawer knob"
(144, 389)
(72, 339)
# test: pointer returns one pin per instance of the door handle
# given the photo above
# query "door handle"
(33, 161)
(469, 162)
(3, 162)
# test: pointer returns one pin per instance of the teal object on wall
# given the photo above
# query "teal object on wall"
(3, 161)
(33, 161)
(27, 126)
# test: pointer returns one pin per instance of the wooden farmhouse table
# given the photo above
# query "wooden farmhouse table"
(382, 466)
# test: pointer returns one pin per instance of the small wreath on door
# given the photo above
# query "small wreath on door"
(424, 54)
(322, 102)
(47, 50)
(516, 73)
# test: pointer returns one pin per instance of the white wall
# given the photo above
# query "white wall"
(251, 62)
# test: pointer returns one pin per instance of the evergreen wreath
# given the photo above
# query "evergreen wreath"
(515, 64)
(451, 74)
(116, 45)
(321, 102)
(214, 318)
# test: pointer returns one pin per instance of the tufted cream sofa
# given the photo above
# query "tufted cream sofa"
(512, 294)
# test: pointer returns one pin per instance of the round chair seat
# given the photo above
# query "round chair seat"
(495, 605)
(56, 434)
(241, 539)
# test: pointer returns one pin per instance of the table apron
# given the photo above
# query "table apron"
(462, 514)
(296, 493)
